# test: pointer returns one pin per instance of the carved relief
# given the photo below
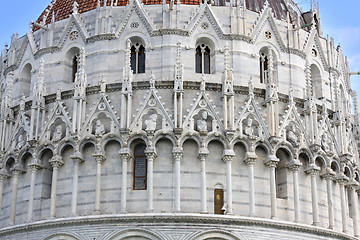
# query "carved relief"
(151, 123)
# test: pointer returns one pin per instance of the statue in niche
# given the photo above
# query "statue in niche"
(350, 148)
(201, 123)
(249, 129)
(99, 128)
(151, 122)
(57, 133)
(20, 142)
(325, 143)
(291, 135)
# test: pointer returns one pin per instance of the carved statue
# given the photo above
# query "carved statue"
(291, 135)
(249, 130)
(20, 142)
(151, 123)
(325, 143)
(201, 123)
(57, 133)
(99, 128)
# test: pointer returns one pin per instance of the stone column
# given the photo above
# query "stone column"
(313, 170)
(272, 162)
(177, 155)
(3, 176)
(34, 167)
(228, 157)
(150, 156)
(250, 158)
(342, 180)
(294, 166)
(16, 171)
(125, 156)
(99, 158)
(203, 153)
(352, 186)
(329, 175)
(77, 159)
(56, 162)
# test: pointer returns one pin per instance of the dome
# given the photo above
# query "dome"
(63, 8)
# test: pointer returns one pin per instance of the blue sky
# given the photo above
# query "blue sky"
(340, 19)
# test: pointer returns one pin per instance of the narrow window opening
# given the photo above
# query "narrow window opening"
(74, 67)
(202, 59)
(264, 65)
(140, 168)
(137, 58)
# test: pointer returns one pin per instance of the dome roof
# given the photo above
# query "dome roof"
(63, 8)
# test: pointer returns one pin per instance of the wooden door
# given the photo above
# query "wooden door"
(218, 201)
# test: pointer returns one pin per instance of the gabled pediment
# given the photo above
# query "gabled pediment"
(205, 14)
(133, 11)
(264, 23)
(101, 107)
(313, 43)
(74, 23)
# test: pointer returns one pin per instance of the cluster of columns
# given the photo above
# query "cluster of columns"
(150, 152)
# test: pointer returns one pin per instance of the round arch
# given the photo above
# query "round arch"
(215, 234)
(134, 234)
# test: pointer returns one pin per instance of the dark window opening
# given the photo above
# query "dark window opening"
(264, 65)
(140, 167)
(74, 67)
(137, 58)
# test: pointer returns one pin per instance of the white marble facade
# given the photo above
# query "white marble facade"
(268, 120)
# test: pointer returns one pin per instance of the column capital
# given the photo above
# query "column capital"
(77, 157)
(56, 161)
(272, 161)
(342, 179)
(352, 184)
(312, 169)
(17, 169)
(150, 153)
(99, 156)
(228, 155)
(250, 158)
(35, 165)
(203, 153)
(4, 174)
(177, 153)
(328, 174)
(294, 165)
(124, 154)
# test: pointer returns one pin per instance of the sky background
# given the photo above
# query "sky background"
(339, 19)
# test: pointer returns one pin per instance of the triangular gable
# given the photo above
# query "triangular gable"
(23, 122)
(152, 105)
(58, 112)
(205, 10)
(102, 106)
(312, 41)
(266, 16)
(324, 127)
(138, 8)
(203, 103)
(292, 116)
(74, 20)
(251, 109)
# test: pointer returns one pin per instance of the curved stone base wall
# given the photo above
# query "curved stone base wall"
(166, 227)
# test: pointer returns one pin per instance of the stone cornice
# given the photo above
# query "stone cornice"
(176, 219)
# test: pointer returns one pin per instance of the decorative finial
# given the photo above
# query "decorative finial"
(202, 85)
(75, 8)
(58, 92)
(102, 84)
(22, 102)
(152, 80)
(251, 88)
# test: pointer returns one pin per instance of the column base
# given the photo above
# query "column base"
(97, 212)
(331, 227)
(123, 212)
(315, 224)
(149, 210)
(204, 212)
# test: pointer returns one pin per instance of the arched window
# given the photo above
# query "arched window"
(264, 66)
(25, 80)
(316, 81)
(74, 67)
(71, 64)
(202, 59)
(138, 58)
(140, 167)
